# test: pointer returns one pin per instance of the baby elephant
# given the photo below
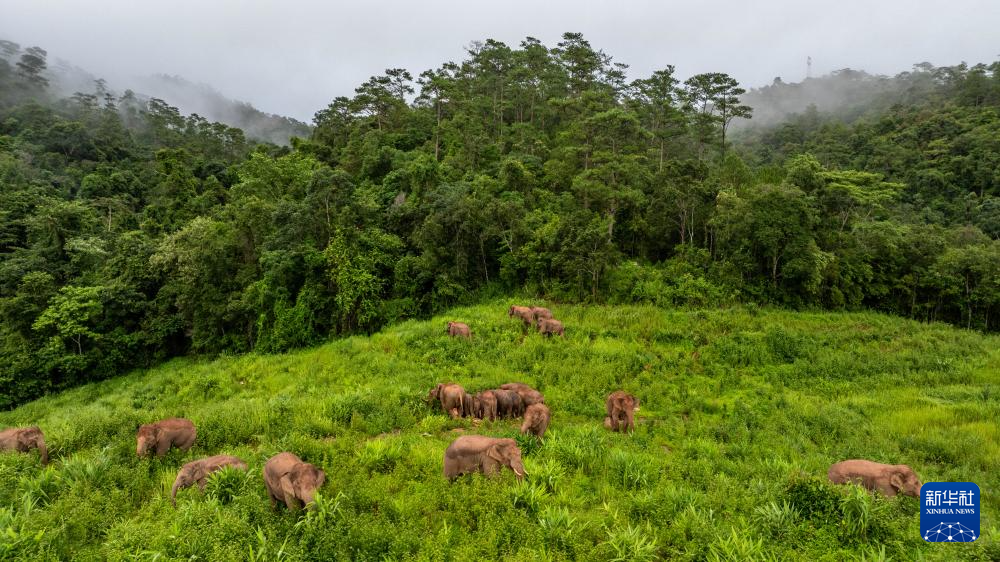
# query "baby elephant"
(476, 453)
(160, 436)
(890, 479)
(485, 405)
(291, 481)
(621, 407)
(550, 326)
(536, 420)
(23, 440)
(196, 472)
(456, 329)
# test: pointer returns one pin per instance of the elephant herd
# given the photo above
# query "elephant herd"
(477, 453)
(290, 480)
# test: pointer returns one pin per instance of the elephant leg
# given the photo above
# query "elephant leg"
(162, 446)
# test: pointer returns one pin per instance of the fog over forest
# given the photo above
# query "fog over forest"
(292, 58)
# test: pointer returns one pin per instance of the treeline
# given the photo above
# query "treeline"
(130, 233)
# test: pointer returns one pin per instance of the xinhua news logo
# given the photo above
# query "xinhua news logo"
(949, 511)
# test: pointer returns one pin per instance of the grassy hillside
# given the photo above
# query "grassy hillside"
(742, 413)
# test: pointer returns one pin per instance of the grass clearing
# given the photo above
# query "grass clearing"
(742, 412)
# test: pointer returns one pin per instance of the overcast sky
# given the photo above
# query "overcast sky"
(294, 56)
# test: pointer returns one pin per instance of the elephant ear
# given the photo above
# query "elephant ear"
(198, 472)
(495, 452)
(25, 439)
(896, 480)
(287, 483)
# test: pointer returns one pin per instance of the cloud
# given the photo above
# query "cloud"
(293, 57)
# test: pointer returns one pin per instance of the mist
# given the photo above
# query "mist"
(293, 58)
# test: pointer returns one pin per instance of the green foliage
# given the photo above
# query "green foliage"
(131, 233)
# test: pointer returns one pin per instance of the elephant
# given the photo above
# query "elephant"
(621, 408)
(24, 439)
(196, 472)
(523, 312)
(486, 405)
(451, 397)
(509, 403)
(536, 420)
(459, 329)
(889, 479)
(291, 481)
(551, 326)
(541, 313)
(468, 405)
(528, 395)
(160, 436)
(477, 453)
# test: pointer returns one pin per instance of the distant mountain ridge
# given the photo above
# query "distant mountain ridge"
(188, 97)
(206, 101)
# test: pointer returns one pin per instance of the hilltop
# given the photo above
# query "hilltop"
(742, 412)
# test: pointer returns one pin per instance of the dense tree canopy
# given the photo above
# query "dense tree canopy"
(130, 232)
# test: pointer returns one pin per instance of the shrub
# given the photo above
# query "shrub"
(630, 544)
(227, 483)
(813, 497)
(380, 455)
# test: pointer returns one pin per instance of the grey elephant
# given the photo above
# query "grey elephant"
(477, 453)
(536, 420)
(24, 439)
(291, 481)
(890, 479)
(551, 326)
(458, 329)
(196, 472)
(621, 407)
(509, 403)
(164, 434)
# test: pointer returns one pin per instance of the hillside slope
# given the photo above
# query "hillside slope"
(742, 412)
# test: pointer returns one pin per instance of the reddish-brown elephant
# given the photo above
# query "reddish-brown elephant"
(890, 479)
(488, 455)
(451, 397)
(24, 439)
(541, 313)
(161, 435)
(621, 407)
(524, 313)
(458, 329)
(536, 420)
(528, 395)
(196, 472)
(291, 481)
(551, 326)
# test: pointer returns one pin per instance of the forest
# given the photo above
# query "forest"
(131, 233)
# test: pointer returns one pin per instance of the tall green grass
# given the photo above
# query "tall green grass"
(743, 411)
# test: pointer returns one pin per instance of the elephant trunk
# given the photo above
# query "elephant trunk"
(44, 451)
(173, 490)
